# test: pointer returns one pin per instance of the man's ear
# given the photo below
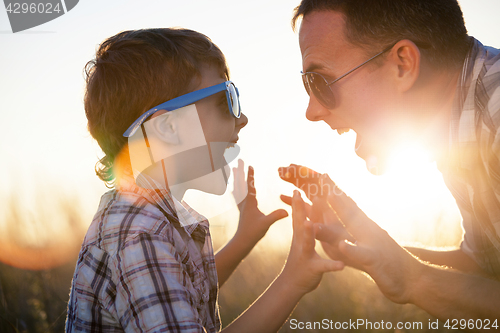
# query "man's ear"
(406, 57)
(165, 127)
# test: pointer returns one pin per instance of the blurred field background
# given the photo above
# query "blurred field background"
(36, 300)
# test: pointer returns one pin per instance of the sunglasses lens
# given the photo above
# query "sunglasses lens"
(319, 87)
(235, 102)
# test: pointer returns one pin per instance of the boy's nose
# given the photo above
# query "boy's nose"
(242, 121)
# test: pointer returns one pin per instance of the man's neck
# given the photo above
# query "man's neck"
(437, 99)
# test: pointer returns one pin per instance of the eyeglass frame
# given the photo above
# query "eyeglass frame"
(419, 44)
(188, 99)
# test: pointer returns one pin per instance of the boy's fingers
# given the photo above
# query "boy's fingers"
(240, 189)
(298, 215)
(326, 265)
(251, 181)
(275, 216)
(308, 238)
(288, 200)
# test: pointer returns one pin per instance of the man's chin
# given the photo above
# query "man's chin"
(375, 166)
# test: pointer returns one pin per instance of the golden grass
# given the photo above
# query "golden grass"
(36, 300)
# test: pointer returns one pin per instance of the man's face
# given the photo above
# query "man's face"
(365, 100)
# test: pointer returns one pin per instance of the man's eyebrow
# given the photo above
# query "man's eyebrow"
(314, 67)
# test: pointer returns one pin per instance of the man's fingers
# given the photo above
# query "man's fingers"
(286, 199)
(317, 210)
(350, 214)
(328, 233)
(304, 178)
(358, 254)
(322, 212)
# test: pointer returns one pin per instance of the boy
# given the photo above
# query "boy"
(147, 262)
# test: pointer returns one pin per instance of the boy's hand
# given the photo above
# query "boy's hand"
(253, 224)
(304, 267)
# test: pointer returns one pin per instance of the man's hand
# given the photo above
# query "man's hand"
(347, 234)
(394, 269)
(317, 186)
(253, 224)
(303, 178)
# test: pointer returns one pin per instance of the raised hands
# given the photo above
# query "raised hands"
(302, 273)
(326, 223)
(304, 267)
(253, 224)
(347, 234)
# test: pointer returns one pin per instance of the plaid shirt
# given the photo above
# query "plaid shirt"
(472, 170)
(144, 267)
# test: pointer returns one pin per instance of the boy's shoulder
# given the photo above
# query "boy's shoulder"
(123, 215)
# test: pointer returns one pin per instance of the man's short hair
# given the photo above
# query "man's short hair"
(376, 24)
(134, 71)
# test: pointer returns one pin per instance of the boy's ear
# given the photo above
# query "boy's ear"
(165, 128)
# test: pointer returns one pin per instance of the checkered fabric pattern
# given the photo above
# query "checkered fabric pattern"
(472, 170)
(140, 270)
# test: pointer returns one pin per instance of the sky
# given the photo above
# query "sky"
(48, 157)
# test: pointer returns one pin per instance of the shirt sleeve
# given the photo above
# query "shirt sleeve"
(152, 293)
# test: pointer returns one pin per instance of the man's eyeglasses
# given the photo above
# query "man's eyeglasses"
(320, 87)
(232, 96)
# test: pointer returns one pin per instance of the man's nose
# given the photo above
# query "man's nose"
(315, 111)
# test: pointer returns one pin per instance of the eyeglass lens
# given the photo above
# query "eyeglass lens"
(319, 87)
(235, 105)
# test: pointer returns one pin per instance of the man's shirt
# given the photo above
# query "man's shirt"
(472, 169)
(145, 266)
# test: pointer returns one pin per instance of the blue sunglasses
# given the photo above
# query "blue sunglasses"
(232, 95)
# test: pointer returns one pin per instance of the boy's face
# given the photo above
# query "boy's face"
(217, 122)
(189, 142)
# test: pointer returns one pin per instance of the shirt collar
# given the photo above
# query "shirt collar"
(181, 212)
(462, 123)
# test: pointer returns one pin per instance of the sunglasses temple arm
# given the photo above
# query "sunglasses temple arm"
(352, 70)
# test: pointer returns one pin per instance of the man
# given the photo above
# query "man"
(160, 104)
(406, 70)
